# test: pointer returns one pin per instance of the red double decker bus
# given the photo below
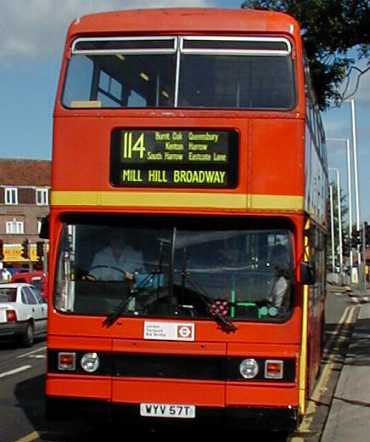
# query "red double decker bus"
(188, 218)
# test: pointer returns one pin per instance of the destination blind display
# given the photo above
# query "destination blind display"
(174, 158)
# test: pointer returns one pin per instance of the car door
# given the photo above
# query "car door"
(41, 310)
(34, 309)
(26, 308)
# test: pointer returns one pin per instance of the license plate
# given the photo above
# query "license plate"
(168, 410)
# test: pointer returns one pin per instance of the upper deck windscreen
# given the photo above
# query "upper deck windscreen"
(185, 72)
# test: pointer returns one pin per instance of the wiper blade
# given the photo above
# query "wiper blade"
(138, 286)
(217, 310)
(116, 312)
(123, 305)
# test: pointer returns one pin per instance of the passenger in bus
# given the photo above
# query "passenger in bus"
(280, 263)
(117, 261)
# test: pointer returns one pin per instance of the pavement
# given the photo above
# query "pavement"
(349, 416)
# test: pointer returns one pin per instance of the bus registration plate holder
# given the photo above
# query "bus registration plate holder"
(167, 410)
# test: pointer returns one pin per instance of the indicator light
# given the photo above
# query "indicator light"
(66, 361)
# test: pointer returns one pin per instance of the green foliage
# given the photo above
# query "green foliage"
(330, 28)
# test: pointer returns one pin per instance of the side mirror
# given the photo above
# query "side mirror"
(44, 230)
(307, 273)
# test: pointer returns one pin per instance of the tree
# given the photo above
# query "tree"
(330, 28)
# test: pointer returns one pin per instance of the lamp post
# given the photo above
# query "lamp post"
(355, 171)
(332, 229)
(354, 271)
(349, 184)
(340, 244)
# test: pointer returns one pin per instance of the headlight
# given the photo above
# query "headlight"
(90, 362)
(248, 368)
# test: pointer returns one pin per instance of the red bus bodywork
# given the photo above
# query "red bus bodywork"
(271, 169)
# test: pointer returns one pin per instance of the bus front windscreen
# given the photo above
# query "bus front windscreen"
(195, 269)
(230, 73)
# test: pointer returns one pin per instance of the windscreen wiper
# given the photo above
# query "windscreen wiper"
(216, 310)
(140, 288)
(116, 312)
(121, 307)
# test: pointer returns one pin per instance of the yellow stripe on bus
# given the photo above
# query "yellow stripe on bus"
(304, 336)
(178, 200)
(303, 353)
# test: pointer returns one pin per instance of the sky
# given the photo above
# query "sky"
(32, 34)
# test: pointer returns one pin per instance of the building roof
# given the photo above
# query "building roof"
(25, 172)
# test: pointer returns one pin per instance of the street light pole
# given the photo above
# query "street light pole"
(340, 244)
(350, 204)
(355, 170)
(332, 229)
(349, 177)
(339, 222)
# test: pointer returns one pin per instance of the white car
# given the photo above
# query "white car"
(23, 313)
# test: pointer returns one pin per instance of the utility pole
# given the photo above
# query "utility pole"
(349, 180)
(340, 245)
(350, 199)
(350, 202)
(364, 230)
(355, 170)
(332, 229)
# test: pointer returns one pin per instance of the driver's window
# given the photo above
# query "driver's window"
(102, 252)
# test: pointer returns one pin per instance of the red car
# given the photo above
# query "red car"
(37, 279)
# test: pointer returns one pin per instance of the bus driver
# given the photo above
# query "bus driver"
(117, 261)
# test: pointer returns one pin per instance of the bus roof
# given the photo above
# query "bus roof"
(177, 20)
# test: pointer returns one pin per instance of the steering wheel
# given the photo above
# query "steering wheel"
(105, 266)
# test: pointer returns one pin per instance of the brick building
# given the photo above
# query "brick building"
(24, 201)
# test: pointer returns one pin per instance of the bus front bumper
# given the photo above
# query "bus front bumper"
(255, 418)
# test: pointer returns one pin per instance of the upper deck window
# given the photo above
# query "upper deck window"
(114, 45)
(251, 46)
(186, 72)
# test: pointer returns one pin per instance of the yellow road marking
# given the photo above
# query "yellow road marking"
(304, 428)
(29, 437)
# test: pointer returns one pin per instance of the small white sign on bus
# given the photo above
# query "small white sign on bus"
(169, 331)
